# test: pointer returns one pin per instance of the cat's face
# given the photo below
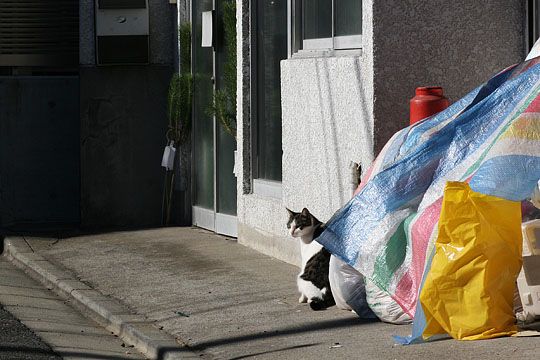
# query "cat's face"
(302, 225)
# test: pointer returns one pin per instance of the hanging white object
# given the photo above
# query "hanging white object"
(236, 167)
(207, 29)
(167, 161)
(535, 198)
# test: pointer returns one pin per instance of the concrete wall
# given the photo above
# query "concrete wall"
(327, 122)
(87, 33)
(326, 125)
(123, 122)
(261, 219)
(454, 44)
(162, 32)
(123, 125)
(39, 152)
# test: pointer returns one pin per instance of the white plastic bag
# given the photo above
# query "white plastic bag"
(167, 160)
(348, 288)
(386, 308)
(535, 51)
(535, 198)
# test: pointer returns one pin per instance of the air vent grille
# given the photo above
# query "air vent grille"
(39, 32)
(122, 4)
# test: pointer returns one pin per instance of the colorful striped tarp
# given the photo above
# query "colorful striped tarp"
(490, 138)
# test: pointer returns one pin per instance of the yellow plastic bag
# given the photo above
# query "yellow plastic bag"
(469, 290)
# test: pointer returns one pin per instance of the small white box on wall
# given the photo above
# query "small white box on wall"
(207, 29)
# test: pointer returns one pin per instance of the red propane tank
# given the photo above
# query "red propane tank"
(428, 101)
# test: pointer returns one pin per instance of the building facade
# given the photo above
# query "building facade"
(83, 99)
(346, 72)
(317, 86)
(321, 86)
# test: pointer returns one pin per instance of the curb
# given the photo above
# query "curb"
(134, 330)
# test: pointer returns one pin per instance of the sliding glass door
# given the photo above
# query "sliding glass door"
(214, 184)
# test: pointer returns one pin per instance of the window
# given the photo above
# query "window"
(325, 24)
(533, 23)
(270, 47)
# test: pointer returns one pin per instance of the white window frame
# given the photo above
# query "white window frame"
(347, 42)
(268, 188)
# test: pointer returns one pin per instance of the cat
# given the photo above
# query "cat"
(312, 281)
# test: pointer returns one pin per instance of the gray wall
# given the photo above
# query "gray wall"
(39, 151)
(123, 122)
(87, 34)
(260, 218)
(123, 125)
(454, 44)
(326, 125)
(327, 122)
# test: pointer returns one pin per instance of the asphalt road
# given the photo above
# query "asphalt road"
(19, 342)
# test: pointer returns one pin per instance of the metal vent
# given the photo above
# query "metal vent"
(122, 4)
(39, 32)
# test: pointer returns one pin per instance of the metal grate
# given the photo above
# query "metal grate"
(122, 4)
(39, 32)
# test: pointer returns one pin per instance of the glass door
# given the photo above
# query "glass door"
(214, 184)
(225, 65)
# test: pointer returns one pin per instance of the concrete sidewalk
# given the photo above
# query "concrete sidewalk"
(225, 301)
(32, 316)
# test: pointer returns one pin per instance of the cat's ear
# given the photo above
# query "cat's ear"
(305, 212)
(289, 211)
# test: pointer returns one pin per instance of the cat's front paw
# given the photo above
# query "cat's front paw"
(317, 304)
(302, 299)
